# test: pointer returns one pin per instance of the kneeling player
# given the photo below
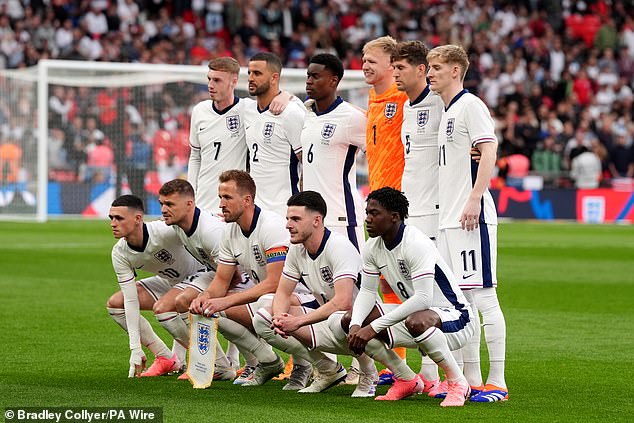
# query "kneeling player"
(155, 248)
(256, 240)
(434, 316)
(329, 264)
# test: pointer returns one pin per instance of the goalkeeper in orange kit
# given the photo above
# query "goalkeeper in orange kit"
(384, 148)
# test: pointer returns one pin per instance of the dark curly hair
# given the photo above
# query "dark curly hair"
(392, 200)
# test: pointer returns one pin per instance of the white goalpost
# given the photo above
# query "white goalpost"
(75, 134)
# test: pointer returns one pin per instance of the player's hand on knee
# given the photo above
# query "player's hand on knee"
(137, 362)
(196, 305)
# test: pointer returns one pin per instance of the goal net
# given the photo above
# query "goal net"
(74, 135)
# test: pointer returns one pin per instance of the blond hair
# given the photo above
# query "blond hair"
(225, 64)
(453, 54)
(386, 44)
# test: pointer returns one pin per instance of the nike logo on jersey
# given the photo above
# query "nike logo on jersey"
(467, 276)
(202, 128)
(381, 267)
(141, 266)
(237, 255)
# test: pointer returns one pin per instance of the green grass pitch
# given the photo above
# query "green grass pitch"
(566, 291)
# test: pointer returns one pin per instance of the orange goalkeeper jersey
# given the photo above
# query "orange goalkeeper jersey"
(384, 148)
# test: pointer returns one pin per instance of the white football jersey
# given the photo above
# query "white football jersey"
(162, 254)
(419, 135)
(203, 239)
(336, 259)
(217, 142)
(330, 141)
(266, 242)
(466, 122)
(412, 257)
(274, 142)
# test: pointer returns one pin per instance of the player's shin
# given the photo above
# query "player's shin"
(244, 339)
(471, 351)
(428, 369)
(148, 337)
(173, 324)
(434, 344)
(494, 333)
(118, 315)
(379, 351)
(262, 325)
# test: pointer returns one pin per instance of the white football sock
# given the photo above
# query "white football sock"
(379, 351)
(221, 358)
(291, 345)
(486, 300)
(249, 358)
(365, 364)
(148, 337)
(471, 351)
(428, 369)
(233, 354)
(174, 325)
(434, 343)
(185, 318)
(241, 336)
(180, 351)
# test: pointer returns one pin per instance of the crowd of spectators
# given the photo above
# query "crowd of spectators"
(557, 75)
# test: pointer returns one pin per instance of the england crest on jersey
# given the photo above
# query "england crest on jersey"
(203, 338)
(422, 117)
(403, 268)
(267, 130)
(164, 256)
(257, 254)
(203, 254)
(390, 110)
(450, 126)
(233, 123)
(326, 274)
(328, 130)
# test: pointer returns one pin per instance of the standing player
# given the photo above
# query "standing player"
(201, 233)
(217, 137)
(256, 240)
(155, 248)
(329, 265)
(383, 133)
(334, 130)
(419, 135)
(468, 221)
(274, 141)
(385, 115)
(434, 316)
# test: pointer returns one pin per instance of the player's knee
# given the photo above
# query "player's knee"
(115, 300)
(182, 302)
(265, 301)
(418, 323)
(262, 322)
(162, 307)
(335, 326)
(486, 301)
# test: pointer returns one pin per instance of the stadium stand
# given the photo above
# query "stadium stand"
(539, 65)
